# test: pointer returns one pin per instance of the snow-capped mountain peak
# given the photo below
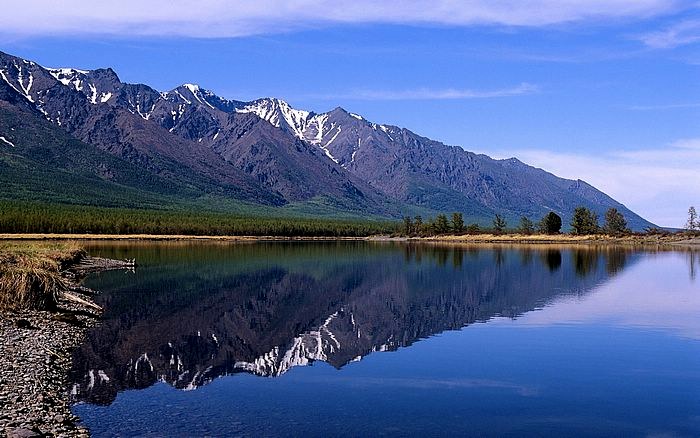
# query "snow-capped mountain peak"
(194, 88)
(97, 85)
(279, 113)
(68, 76)
(192, 94)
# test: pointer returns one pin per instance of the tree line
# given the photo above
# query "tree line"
(73, 219)
(584, 222)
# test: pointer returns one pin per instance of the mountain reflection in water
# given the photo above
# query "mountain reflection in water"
(194, 312)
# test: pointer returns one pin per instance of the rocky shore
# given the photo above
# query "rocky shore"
(35, 357)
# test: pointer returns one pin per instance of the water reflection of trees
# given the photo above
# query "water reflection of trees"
(551, 258)
(614, 257)
(585, 259)
(693, 259)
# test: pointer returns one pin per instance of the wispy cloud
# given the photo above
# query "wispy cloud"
(430, 94)
(222, 18)
(659, 183)
(679, 34)
(432, 384)
(670, 106)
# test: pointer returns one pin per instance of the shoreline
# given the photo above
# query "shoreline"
(540, 239)
(36, 356)
(598, 239)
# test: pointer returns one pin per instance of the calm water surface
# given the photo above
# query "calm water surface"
(357, 339)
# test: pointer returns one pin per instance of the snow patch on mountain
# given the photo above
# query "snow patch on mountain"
(4, 140)
(187, 101)
(279, 113)
(324, 148)
(199, 94)
(387, 131)
(4, 77)
(192, 87)
(30, 81)
(93, 95)
(69, 76)
(78, 80)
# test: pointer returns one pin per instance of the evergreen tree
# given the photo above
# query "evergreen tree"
(551, 223)
(693, 223)
(457, 222)
(526, 226)
(584, 222)
(441, 224)
(418, 224)
(499, 224)
(615, 222)
(408, 226)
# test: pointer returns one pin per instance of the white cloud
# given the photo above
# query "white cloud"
(432, 94)
(659, 184)
(679, 34)
(222, 18)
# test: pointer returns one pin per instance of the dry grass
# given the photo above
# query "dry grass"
(30, 273)
(633, 239)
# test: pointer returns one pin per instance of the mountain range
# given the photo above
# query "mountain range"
(85, 137)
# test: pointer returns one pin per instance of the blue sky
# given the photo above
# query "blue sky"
(606, 91)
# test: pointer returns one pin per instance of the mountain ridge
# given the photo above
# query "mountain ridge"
(266, 151)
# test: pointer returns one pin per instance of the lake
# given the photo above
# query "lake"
(377, 338)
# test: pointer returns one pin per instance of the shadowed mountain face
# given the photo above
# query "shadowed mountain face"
(192, 313)
(269, 153)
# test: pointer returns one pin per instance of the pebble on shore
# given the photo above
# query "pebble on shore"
(35, 356)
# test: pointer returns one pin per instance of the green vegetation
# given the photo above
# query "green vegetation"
(551, 223)
(499, 224)
(615, 223)
(441, 226)
(53, 218)
(526, 226)
(457, 222)
(693, 224)
(584, 222)
(30, 274)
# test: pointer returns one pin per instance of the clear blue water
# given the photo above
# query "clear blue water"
(357, 339)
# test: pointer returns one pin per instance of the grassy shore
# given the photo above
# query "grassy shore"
(30, 273)
(632, 239)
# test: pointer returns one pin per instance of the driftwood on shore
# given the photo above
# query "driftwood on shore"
(88, 264)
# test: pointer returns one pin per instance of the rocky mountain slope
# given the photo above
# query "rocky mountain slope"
(266, 152)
